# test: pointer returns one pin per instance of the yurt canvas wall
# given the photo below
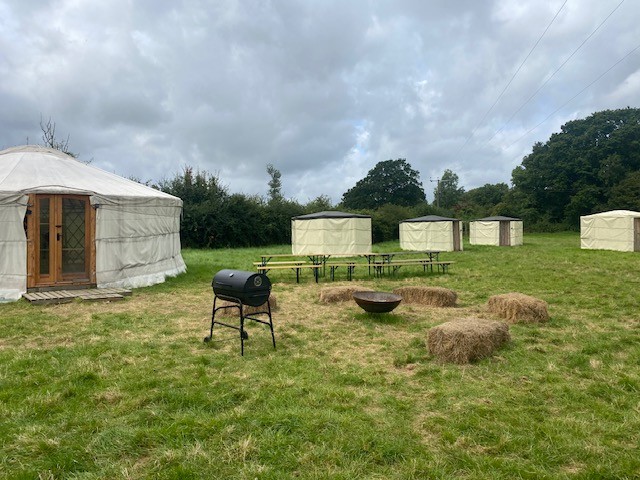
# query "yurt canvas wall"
(614, 230)
(64, 223)
(331, 233)
(498, 231)
(431, 232)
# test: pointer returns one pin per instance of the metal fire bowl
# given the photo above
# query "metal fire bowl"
(377, 302)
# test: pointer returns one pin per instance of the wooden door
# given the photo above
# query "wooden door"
(62, 241)
(505, 234)
(456, 236)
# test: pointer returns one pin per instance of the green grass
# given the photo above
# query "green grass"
(129, 390)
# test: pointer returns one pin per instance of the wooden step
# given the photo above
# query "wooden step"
(66, 296)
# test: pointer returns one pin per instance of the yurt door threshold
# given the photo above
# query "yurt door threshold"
(61, 231)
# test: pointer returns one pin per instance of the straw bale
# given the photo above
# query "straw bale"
(341, 294)
(248, 309)
(518, 307)
(466, 340)
(434, 296)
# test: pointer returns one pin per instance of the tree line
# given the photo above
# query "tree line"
(591, 165)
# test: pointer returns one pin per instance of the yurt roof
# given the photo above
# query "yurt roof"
(614, 213)
(430, 218)
(498, 218)
(35, 169)
(329, 214)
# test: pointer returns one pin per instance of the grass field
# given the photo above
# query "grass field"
(128, 390)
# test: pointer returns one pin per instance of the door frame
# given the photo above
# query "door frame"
(32, 231)
(457, 240)
(504, 233)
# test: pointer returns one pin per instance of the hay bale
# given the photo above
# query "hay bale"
(434, 296)
(248, 309)
(341, 294)
(518, 307)
(467, 340)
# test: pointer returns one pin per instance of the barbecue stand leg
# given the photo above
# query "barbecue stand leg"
(243, 334)
(213, 316)
(273, 337)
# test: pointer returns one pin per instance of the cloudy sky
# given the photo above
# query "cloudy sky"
(321, 89)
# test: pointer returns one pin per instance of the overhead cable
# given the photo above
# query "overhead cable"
(513, 76)
(553, 74)
(574, 97)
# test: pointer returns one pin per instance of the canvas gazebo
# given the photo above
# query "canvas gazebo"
(431, 232)
(498, 231)
(66, 224)
(331, 233)
(613, 230)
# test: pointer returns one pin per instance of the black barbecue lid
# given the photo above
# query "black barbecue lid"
(240, 280)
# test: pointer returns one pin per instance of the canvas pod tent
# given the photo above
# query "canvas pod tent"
(431, 232)
(65, 223)
(498, 231)
(614, 230)
(331, 233)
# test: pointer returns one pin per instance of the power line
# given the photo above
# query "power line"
(554, 73)
(513, 76)
(574, 97)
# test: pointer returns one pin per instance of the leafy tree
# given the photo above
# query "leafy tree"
(578, 169)
(447, 193)
(276, 221)
(243, 216)
(626, 194)
(385, 222)
(319, 204)
(204, 198)
(275, 184)
(482, 201)
(389, 182)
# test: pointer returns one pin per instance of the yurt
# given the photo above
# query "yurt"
(499, 231)
(65, 224)
(614, 230)
(331, 233)
(431, 232)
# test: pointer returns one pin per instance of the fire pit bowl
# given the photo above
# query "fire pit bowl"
(377, 302)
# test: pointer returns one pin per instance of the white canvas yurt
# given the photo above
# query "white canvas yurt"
(614, 230)
(65, 223)
(431, 232)
(331, 233)
(499, 231)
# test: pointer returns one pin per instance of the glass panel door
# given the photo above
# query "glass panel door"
(73, 235)
(44, 223)
(62, 240)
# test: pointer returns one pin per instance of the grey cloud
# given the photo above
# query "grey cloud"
(323, 90)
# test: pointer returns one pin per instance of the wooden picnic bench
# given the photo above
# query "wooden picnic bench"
(286, 263)
(350, 266)
(395, 265)
(314, 258)
(295, 266)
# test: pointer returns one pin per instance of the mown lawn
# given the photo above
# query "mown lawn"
(129, 390)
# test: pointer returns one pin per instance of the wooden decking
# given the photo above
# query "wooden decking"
(65, 296)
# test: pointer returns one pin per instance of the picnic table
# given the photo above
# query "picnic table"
(378, 261)
(316, 259)
(387, 258)
(297, 263)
